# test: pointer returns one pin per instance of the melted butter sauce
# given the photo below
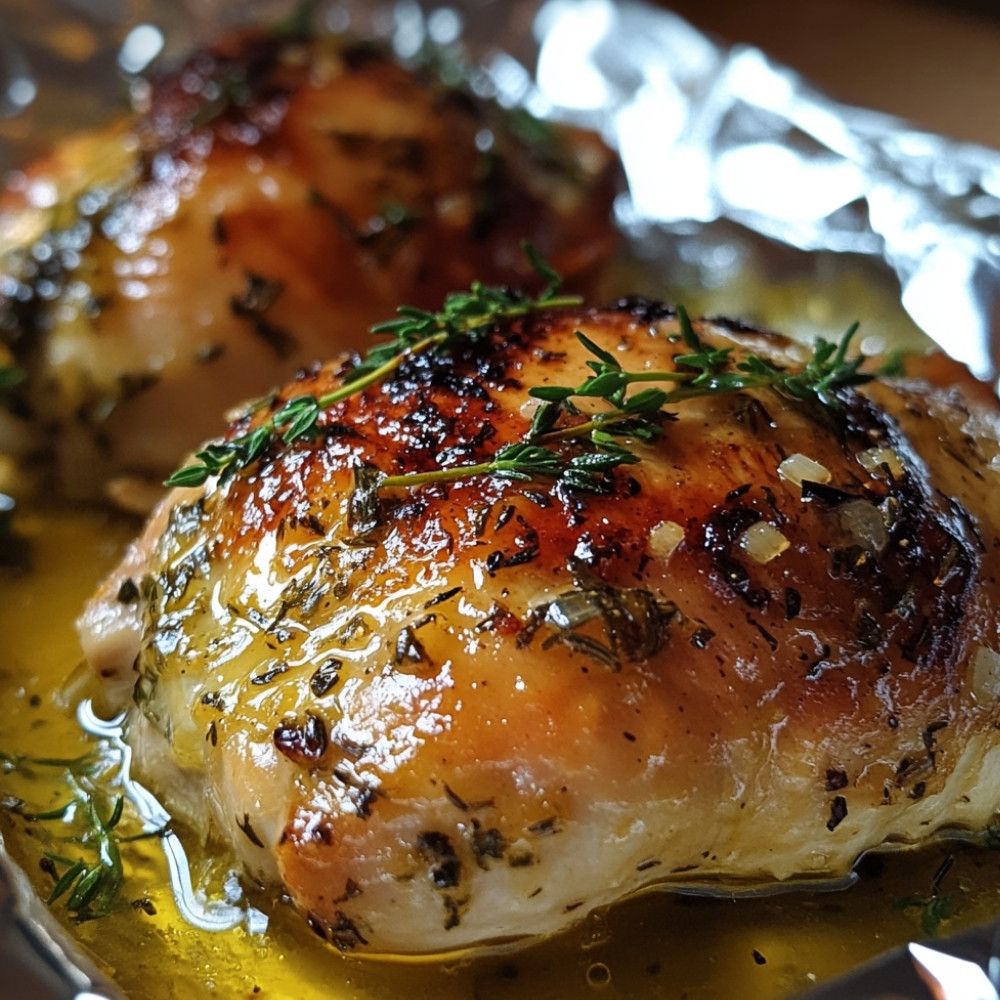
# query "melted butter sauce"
(660, 945)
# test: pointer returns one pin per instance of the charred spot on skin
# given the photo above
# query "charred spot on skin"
(128, 592)
(701, 636)
(321, 833)
(445, 868)
(838, 812)
(719, 534)
(304, 743)
(835, 779)
(793, 603)
(928, 736)
(408, 651)
(644, 309)
(487, 844)
(545, 827)
(326, 677)
(453, 913)
(360, 793)
(351, 891)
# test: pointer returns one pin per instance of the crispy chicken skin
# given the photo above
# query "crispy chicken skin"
(496, 706)
(273, 199)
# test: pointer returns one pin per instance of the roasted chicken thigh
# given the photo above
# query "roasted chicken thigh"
(452, 712)
(272, 199)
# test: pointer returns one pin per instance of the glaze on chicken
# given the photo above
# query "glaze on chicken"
(272, 199)
(474, 711)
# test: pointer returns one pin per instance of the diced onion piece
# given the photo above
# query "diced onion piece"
(994, 463)
(529, 407)
(799, 468)
(664, 538)
(985, 674)
(762, 542)
(865, 524)
(875, 459)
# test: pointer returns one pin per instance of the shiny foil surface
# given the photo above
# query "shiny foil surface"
(741, 180)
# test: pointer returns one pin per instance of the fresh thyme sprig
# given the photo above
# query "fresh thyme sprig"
(92, 885)
(93, 877)
(934, 910)
(464, 317)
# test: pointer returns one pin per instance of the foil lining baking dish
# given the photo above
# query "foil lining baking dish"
(741, 179)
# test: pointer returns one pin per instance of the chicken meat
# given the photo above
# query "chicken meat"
(452, 712)
(272, 198)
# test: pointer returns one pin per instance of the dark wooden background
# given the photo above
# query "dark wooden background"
(937, 64)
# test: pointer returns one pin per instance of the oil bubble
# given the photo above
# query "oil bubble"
(598, 976)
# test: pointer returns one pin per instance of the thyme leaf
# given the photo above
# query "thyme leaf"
(934, 910)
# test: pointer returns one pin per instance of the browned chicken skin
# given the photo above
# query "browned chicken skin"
(774, 642)
(274, 199)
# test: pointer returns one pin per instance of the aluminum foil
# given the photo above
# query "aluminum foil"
(741, 179)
